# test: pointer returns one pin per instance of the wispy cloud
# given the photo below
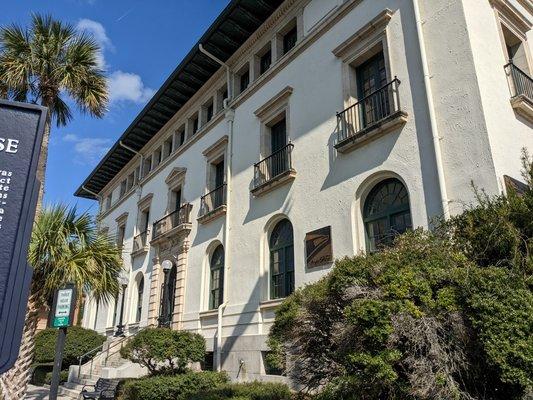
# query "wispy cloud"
(123, 86)
(88, 150)
(97, 31)
(127, 86)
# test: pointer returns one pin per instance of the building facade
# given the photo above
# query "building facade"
(300, 131)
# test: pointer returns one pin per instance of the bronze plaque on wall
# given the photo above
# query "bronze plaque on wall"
(318, 248)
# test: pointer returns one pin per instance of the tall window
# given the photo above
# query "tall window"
(290, 39)
(281, 260)
(372, 76)
(216, 284)
(166, 312)
(140, 293)
(386, 213)
(265, 61)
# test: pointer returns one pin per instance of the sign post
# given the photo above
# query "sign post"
(21, 133)
(62, 317)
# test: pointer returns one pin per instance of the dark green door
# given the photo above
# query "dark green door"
(372, 76)
(279, 159)
(282, 260)
(219, 182)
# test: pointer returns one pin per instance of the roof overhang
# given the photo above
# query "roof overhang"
(237, 22)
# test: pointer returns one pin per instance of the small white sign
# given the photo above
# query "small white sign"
(64, 299)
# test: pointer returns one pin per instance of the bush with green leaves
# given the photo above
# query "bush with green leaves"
(246, 391)
(165, 351)
(78, 342)
(416, 321)
(63, 376)
(167, 387)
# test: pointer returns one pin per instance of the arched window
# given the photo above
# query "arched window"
(168, 294)
(216, 281)
(386, 213)
(140, 293)
(281, 260)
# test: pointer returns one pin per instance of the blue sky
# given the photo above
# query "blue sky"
(142, 42)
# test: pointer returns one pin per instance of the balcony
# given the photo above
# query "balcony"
(175, 223)
(213, 205)
(273, 171)
(371, 117)
(521, 85)
(140, 243)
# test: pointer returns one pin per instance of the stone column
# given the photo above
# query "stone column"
(181, 275)
(155, 292)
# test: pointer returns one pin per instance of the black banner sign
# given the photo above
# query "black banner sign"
(21, 133)
(318, 248)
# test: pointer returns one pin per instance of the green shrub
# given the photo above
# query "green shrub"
(178, 387)
(38, 377)
(246, 391)
(78, 342)
(163, 350)
(63, 376)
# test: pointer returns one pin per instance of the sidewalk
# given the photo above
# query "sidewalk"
(40, 393)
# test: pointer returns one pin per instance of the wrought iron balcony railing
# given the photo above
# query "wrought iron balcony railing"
(521, 83)
(274, 165)
(213, 200)
(172, 220)
(140, 241)
(370, 111)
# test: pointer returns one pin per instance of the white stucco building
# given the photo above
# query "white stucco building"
(342, 123)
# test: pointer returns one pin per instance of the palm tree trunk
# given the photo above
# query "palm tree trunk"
(15, 381)
(41, 167)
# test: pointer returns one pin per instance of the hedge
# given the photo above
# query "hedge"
(63, 376)
(246, 391)
(78, 342)
(177, 387)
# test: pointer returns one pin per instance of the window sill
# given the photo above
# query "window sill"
(210, 216)
(140, 252)
(181, 229)
(209, 314)
(380, 128)
(523, 106)
(274, 183)
(269, 304)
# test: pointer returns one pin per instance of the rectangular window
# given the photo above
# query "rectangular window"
(244, 80)
(180, 138)
(158, 157)
(147, 167)
(208, 363)
(121, 233)
(108, 201)
(195, 124)
(123, 188)
(144, 221)
(289, 40)
(168, 146)
(265, 62)
(130, 181)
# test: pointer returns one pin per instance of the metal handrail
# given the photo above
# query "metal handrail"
(368, 111)
(274, 165)
(212, 200)
(522, 83)
(183, 217)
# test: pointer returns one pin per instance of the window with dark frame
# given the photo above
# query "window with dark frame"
(244, 81)
(281, 260)
(140, 294)
(216, 284)
(265, 61)
(290, 39)
(386, 214)
(209, 111)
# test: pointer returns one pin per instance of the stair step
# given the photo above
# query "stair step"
(71, 393)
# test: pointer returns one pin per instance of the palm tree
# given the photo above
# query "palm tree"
(65, 248)
(46, 63)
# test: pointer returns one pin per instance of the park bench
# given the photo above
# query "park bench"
(105, 389)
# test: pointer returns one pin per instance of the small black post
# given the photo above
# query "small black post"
(120, 326)
(58, 361)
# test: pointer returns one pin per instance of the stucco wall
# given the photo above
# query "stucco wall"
(329, 187)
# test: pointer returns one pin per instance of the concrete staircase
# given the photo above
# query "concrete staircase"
(107, 363)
